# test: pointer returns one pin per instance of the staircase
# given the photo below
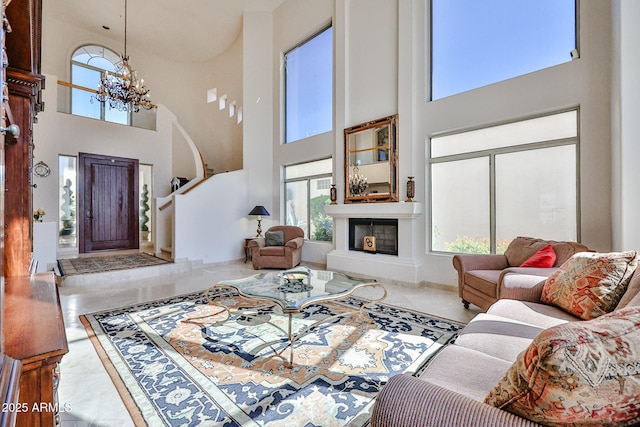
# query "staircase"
(206, 219)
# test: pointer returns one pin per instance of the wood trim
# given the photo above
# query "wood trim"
(35, 335)
(73, 86)
(33, 322)
(166, 205)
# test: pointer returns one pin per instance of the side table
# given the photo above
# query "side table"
(247, 249)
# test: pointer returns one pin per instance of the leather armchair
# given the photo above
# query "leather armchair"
(286, 256)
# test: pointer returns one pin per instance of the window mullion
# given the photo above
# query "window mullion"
(492, 203)
(309, 208)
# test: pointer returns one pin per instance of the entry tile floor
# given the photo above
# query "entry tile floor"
(87, 396)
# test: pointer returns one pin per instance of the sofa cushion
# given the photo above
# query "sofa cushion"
(522, 248)
(544, 258)
(523, 286)
(465, 371)
(536, 314)
(579, 373)
(497, 336)
(590, 284)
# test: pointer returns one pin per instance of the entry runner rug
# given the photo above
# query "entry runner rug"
(102, 263)
(172, 367)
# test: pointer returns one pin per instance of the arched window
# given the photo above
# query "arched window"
(88, 65)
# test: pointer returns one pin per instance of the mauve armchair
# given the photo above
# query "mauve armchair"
(483, 279)
(287, 255)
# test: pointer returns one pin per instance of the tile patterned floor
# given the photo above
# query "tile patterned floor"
(85, 388)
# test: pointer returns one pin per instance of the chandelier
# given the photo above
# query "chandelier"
(123, 90)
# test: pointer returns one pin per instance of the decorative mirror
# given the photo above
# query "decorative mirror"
(371, 161)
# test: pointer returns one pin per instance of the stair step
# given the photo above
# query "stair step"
(109, 277)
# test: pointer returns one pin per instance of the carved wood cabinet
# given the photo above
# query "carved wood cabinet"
(33, 338)
(35, 335)
(25, 85)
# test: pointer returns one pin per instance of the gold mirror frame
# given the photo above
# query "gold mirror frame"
(371, 161)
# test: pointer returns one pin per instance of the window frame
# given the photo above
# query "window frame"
(284, 81)
(307, 179)
(429, 46)
(491, 153)
(102, 71)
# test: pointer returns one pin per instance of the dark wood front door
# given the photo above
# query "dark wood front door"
(108, 205)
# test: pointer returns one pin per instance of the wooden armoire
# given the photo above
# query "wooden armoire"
(32, 332)
(25, 87)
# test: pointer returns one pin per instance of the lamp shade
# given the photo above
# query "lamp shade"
(259, 210)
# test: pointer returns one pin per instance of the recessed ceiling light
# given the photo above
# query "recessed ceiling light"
(105, 27)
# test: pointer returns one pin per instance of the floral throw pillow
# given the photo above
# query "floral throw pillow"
(590, 284)
(579, 373)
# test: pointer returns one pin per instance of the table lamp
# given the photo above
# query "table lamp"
(260, 211)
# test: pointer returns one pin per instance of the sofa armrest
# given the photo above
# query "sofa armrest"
(469, 262)
(258, 242)
(295, 243)
(407, 401)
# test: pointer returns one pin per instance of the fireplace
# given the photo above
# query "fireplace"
(385, 232)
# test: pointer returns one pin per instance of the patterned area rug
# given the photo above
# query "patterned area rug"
(173, 368)
(102, 263)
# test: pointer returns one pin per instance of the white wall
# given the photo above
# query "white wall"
(60, 133)
(212, 219)
(258, 114)
(625, 112)
(220, 134)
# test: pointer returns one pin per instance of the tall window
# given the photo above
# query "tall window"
(67, 185)
(88, 65)
(309, 87)
(145, 190)
(491, 185)
(476, 43)
(307, 187)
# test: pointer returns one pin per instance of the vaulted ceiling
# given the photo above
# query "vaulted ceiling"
(185, 30)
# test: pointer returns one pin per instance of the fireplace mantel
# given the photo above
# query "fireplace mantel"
(403, 268)
(401, 210)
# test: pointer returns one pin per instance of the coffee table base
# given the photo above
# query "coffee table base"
(288, 335)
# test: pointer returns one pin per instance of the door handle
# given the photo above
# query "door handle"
(87, 213)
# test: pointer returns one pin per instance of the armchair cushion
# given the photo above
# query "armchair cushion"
(590, 284)
(272, 251)
(274, 238)
(578, 373)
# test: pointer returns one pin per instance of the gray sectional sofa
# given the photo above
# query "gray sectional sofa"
(451, 391)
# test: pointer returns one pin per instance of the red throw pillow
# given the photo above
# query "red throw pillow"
(544, 258)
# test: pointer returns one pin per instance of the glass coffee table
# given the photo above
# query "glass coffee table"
(292, 291)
